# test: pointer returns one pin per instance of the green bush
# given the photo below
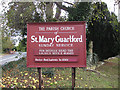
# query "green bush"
(49, 72)
(12, 64)
(22, 45)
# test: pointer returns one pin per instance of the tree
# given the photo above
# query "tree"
(80, 12)
(0, 36)
(102, 26)
(22, 45)
(17, 17)
(20, 13)
(7, 44)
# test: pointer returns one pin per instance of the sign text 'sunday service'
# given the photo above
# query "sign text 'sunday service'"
(60, 44)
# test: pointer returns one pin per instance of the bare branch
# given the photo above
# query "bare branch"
(68, 3)
(61, 6)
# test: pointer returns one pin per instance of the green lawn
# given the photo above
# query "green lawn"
(16, 74)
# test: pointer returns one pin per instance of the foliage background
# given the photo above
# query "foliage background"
(102, 25)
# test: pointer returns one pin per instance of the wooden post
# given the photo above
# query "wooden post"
(40, 79)
(73, 78)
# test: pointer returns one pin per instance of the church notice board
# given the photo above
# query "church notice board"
(56, 44)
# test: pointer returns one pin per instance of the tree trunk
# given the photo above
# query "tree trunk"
(49, 11)
(58, 11)
(91, 52)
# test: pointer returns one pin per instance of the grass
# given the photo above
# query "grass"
(16, 75)
(110, 68)
(1, 54)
